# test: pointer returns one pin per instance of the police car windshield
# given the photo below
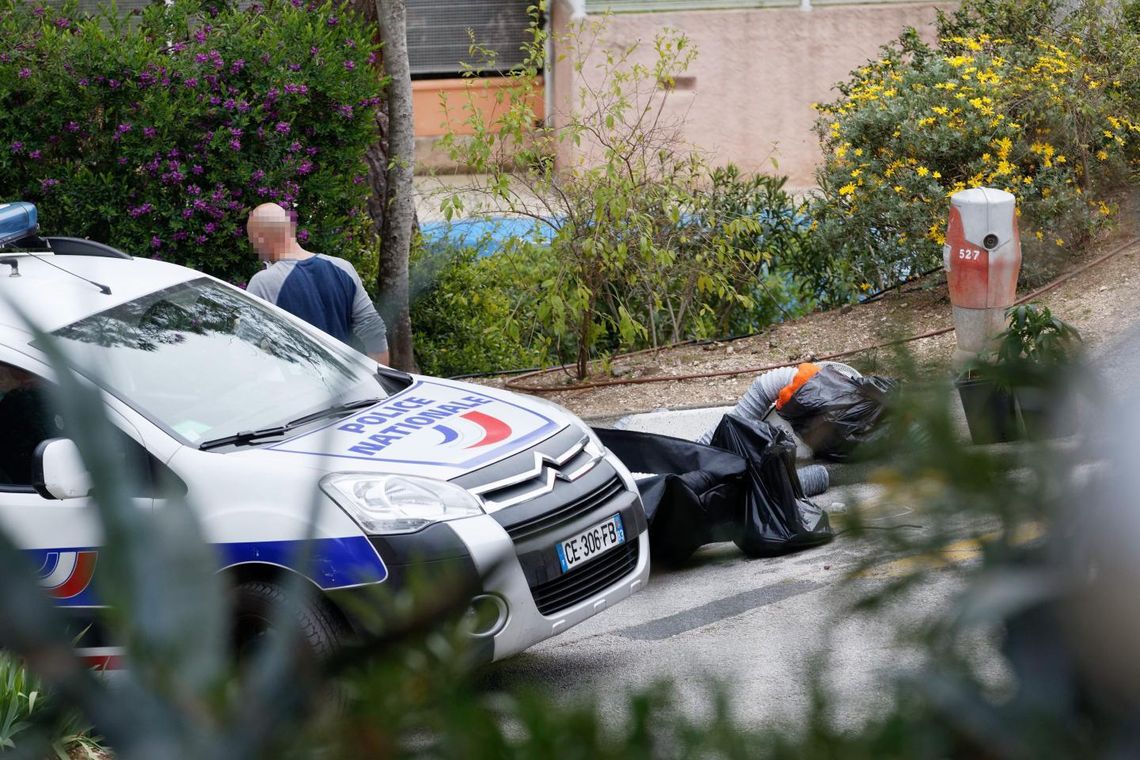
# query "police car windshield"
(204, 361)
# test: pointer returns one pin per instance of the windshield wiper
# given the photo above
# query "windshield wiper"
(246, 437)
(333, 411)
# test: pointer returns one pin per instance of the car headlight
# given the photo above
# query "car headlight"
(399, 503)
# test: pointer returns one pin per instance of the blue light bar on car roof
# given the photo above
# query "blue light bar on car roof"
(17, 220)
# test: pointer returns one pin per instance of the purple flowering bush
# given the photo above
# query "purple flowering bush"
(159, 134)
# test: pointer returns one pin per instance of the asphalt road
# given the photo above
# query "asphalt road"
(750, 626)
(753, 626)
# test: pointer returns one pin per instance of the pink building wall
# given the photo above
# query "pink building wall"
(747, 98)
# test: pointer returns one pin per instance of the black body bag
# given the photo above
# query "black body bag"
(692, 495)
(776, 518)
(742, 488)
(833, 413)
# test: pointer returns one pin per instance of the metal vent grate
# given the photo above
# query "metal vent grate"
(555, 517)
(438, 39)
(583, 582)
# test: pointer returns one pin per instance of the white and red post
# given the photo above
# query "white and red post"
(982, 256)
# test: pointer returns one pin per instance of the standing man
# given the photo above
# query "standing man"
(323, 290)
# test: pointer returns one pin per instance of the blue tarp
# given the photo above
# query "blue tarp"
(490, 234)
(486, 234)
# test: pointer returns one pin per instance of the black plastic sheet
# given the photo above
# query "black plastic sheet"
(744, 488)
(691, 498)
(777, 518)
(833, 413)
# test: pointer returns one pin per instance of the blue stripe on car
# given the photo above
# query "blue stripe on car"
(335, 562)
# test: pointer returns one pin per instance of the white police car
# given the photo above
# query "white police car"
(254, 412)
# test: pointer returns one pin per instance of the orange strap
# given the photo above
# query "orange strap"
(804, 373)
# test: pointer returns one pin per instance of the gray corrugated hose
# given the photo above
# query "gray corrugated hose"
(814, 479)
(758, 399)
(758, 402)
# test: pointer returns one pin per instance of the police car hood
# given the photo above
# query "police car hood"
(436, 428)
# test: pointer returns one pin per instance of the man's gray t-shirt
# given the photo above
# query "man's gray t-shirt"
(327, 293)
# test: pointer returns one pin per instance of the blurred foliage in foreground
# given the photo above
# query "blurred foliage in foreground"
(1033, 659)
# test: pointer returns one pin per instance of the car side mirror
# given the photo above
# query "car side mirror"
(58, 470)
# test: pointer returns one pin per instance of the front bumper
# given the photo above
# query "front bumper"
(511, 556)
(572, 489)
(502, 573)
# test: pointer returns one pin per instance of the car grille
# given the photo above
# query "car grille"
(583, 582)
(547, 493)
(554, 518)
(542, 478)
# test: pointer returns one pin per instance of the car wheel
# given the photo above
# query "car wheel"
(256, 604)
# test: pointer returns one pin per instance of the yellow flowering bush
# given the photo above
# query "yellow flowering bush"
(1015, 94)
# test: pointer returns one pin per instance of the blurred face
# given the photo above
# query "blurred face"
(259, 240)
(270, 231)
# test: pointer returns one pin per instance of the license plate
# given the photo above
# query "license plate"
(590, 543)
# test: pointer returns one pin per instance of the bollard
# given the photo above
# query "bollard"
(982, 256)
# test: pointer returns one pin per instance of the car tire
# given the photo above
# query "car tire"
(257, 602)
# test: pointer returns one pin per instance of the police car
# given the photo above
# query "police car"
(252, 412)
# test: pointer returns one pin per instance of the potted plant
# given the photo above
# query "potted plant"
(1019, 391)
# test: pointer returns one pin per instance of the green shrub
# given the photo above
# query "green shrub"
(754, 215)
(469, 312)
(1035, 335)
(18, 695)
(717, 261)
(650, 244)
(22, 707)
(1015, 94)
(159, 134)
